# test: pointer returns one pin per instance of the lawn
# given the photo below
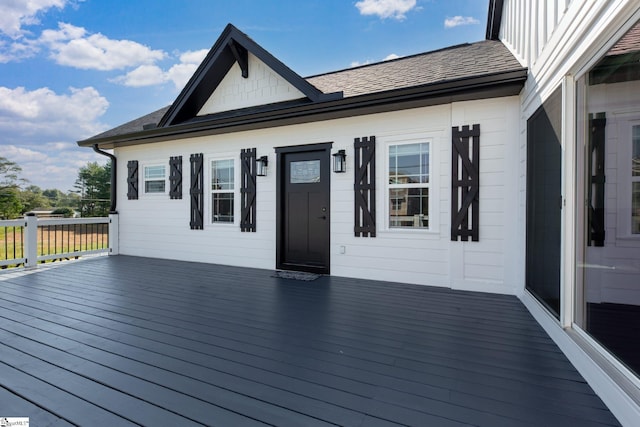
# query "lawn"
(54, 239)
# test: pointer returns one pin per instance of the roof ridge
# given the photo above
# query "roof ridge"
(457, 46)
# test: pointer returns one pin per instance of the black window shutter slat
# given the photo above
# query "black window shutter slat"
(132, 180)
(596, 156)
(465, 182)
(197, 192)
(365, 187)
(175, 177)
(248, 190)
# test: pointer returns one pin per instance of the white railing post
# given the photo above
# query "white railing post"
(113, 234)
(31, 240)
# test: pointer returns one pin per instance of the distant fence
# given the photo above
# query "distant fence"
(29, 241)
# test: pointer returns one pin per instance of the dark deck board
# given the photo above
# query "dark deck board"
(220, 345)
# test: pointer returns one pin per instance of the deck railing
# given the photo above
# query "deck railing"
(29, 241)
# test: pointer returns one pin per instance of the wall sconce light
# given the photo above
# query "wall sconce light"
(261, 166)
(340, 162)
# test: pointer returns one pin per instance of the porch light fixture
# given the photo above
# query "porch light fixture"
(340, 162)
(261, 166)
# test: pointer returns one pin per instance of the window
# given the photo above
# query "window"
(154, 179)
(409, 185)
(635, 180)
(222, 190)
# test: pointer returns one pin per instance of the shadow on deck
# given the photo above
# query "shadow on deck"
(124, 340)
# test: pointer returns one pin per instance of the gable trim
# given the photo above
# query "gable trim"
(232, 46)
(494, 20)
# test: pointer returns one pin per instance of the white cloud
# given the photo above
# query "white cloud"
(43, 112)
(179, 74)
(74, 47)
(396, 9)
(144, 75)
(368, 61)
(16, 13)
(193, 56)
(49, 167)
(458, 20)
(39, 129)
(359, 64)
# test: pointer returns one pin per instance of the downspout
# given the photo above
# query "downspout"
(114, 164)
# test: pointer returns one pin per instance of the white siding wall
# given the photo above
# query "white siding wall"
(491, 261)
(156, 226)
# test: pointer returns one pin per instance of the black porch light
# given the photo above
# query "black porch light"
(261, 166)
(340, 161)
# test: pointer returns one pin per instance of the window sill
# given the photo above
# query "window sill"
(407, 232)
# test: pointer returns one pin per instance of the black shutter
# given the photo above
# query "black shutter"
(248, 190)
(465, 183)
(132, 180)
(175, 177)
(595, 166)
(197, 192)
(365, 187)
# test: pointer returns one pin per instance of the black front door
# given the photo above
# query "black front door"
(303, 208)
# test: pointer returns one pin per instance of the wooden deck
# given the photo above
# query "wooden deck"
(124, 340)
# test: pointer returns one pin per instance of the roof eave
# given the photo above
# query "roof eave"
(478, 87)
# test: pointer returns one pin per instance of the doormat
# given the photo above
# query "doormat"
(295, 275)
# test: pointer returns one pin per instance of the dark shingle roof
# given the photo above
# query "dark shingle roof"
(465, 61)
(462, 61)
(134, 125)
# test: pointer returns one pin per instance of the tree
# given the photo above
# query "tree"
(32, 198)
(10, 205)
(94, 186)
(58, 199)
(10, 182)
(66, 212)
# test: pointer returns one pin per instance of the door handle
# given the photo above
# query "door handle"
(322, 217)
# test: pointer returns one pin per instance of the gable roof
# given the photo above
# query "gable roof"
(468, 71)
(449, 64)
(232, 46)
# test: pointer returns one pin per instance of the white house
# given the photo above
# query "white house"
(509, 165)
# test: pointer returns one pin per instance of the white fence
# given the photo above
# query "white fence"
(29, 241)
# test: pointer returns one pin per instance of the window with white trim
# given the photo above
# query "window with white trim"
(222, 190)
(409, 182)
(155, 179)
(635, 179)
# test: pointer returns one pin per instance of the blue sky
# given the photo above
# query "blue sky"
(70, 69)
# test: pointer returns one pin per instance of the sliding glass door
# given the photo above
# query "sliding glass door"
(608, 271)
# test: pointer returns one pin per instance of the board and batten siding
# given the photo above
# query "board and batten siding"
(156, 226)
(559, 38)
(538, 18)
